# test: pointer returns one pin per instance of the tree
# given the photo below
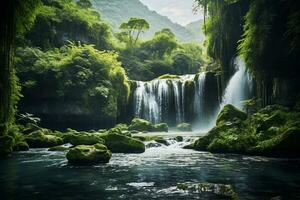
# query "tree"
(15, 17)
(162, 44)
(133, 28)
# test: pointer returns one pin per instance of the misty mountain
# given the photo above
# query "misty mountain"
(118, 11)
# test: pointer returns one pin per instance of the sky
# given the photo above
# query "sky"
(179, 11)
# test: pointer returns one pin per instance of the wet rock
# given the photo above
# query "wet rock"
(21, 146)
(38, 139)
(153, 144)
(59, 148)
(162, 127)
(162, 141)
(179, 138)
(140, 125)
(184, 127)
(88, 154)
(122, 144)
(82, 138)
(229, 114)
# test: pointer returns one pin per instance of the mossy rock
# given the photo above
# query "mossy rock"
(277, 119)
(38, 139)
(162, 127)
(58, 148)
(6, 145)
(179, 138)
(162, 141)
(146, 138)
(29, 128)
(122, 144)
(168, 76)
(82, 138)
(140, 125)
(229, 114)
(120, 129)
(21, 146)
(88, 154)
(286, 144)
(184, 127)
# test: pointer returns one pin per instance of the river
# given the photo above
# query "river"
(40, 174)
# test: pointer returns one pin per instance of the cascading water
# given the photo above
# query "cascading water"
(152, 100)
(239, 87)
(187, 98)
(199, 94)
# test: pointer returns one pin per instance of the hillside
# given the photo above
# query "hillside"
(196, 29)
(116, 12)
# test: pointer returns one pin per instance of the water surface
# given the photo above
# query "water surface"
(39, 174)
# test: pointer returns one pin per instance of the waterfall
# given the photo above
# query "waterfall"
(190, 98)
(199, 94)
(152, 100)
(178, 100)
(239, 87)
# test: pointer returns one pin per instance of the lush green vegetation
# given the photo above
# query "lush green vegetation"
(60, 21)
(81, 82)
(116, 12)
(272, 131)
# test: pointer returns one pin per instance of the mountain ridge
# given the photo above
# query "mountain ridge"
(115, 12)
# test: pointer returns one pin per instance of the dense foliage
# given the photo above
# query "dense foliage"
(268, 42)
(60, 21)
(81, 83)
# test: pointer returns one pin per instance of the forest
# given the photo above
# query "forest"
(111, 100)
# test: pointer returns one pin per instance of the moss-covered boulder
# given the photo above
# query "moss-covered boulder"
(88, 154)
(229, 114)
(82, 138)
(6, 145)
(162, 127)
(122, 144)
(184, 127)
(162, 141)
(286, 144)
(38, 139)
(59, 148)
(272, 131)
(29, 128)
(21, 146)
(140, 125)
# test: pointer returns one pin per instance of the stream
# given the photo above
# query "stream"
(40, 174)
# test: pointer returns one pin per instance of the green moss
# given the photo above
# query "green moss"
(82, 138)
(162, 141)
(229, 113)
(38, 139)
(146, 138)
(88, 154)
(184, 127)
(140, 125)
(168, 76)
(21, 146)
(162, 127)
(58, 148)
(122, 144)
(272, 131)
(6, 145)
